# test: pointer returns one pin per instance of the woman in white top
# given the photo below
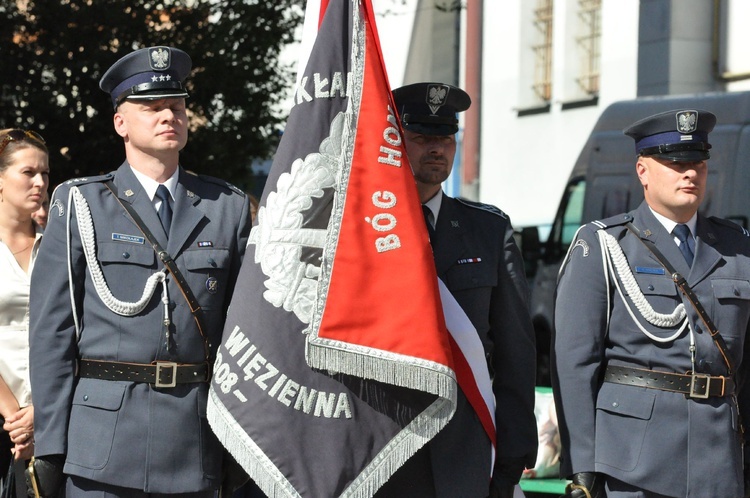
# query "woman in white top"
(24, 178)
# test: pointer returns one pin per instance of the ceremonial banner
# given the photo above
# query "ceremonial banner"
(336, 365)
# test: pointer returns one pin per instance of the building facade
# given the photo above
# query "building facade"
(540, 72)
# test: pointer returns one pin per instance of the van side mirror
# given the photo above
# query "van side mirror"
(531, 249)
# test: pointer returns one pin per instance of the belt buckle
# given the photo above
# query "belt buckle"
(693, 392)
(163, 365)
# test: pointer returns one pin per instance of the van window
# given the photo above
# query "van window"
(573, 212)
(615, 202)
(567, 221)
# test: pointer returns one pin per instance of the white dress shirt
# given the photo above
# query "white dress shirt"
(669, 224)
(150, 185)
(14, 321)
(434, 206)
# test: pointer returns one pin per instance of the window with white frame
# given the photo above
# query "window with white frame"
(543, 16)
(589, 42)
(582, 50)
(535, 82)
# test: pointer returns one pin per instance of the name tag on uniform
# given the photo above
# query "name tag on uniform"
(649, 271)
(123, 237)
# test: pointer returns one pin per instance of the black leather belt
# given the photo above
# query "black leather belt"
(691, 385)
(160, 373)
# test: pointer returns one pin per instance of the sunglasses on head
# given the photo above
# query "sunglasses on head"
(19, 135)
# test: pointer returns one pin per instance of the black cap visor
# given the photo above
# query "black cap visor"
(153, 91)
(430, 125)
(680, 153)
(686, 156)
(156, 96)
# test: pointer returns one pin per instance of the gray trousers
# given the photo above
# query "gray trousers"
(78, 487)
(618, 489)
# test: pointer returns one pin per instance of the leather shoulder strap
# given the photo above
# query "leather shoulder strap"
(685, 288)
(169, 264)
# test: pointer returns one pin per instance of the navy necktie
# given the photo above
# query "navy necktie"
(165, 210)
(430, 229)
(682, 232)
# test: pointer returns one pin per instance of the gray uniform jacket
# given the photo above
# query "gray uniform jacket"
(478, 260)
(655, 440)
(118, 432)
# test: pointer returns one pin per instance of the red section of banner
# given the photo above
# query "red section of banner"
(323, 7)
(383, 235)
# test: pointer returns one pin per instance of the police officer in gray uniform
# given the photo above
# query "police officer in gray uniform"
(122, 339)
(478, 260)
(648, 393)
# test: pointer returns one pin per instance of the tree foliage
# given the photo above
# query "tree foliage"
(53, 53)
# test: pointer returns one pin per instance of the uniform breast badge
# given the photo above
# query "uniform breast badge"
(212, 285)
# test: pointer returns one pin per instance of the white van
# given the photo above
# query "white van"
(603, 183)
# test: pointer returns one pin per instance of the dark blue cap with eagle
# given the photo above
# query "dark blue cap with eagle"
(430, 108)
(147, 74)
(679, 135)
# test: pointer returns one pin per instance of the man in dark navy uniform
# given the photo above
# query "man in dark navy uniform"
(122, 339)
(647, 382)
(478, 260)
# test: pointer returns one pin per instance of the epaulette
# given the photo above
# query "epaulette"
(223, 183)
(56, 204)
(89, 179)
(484, 207)
(731, 224)
(613, 221)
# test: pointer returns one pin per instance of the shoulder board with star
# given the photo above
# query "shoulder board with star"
(57, 201)
(484, 207)
(613, 221)
(223, 183)
(731, 224)
(89, 179)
